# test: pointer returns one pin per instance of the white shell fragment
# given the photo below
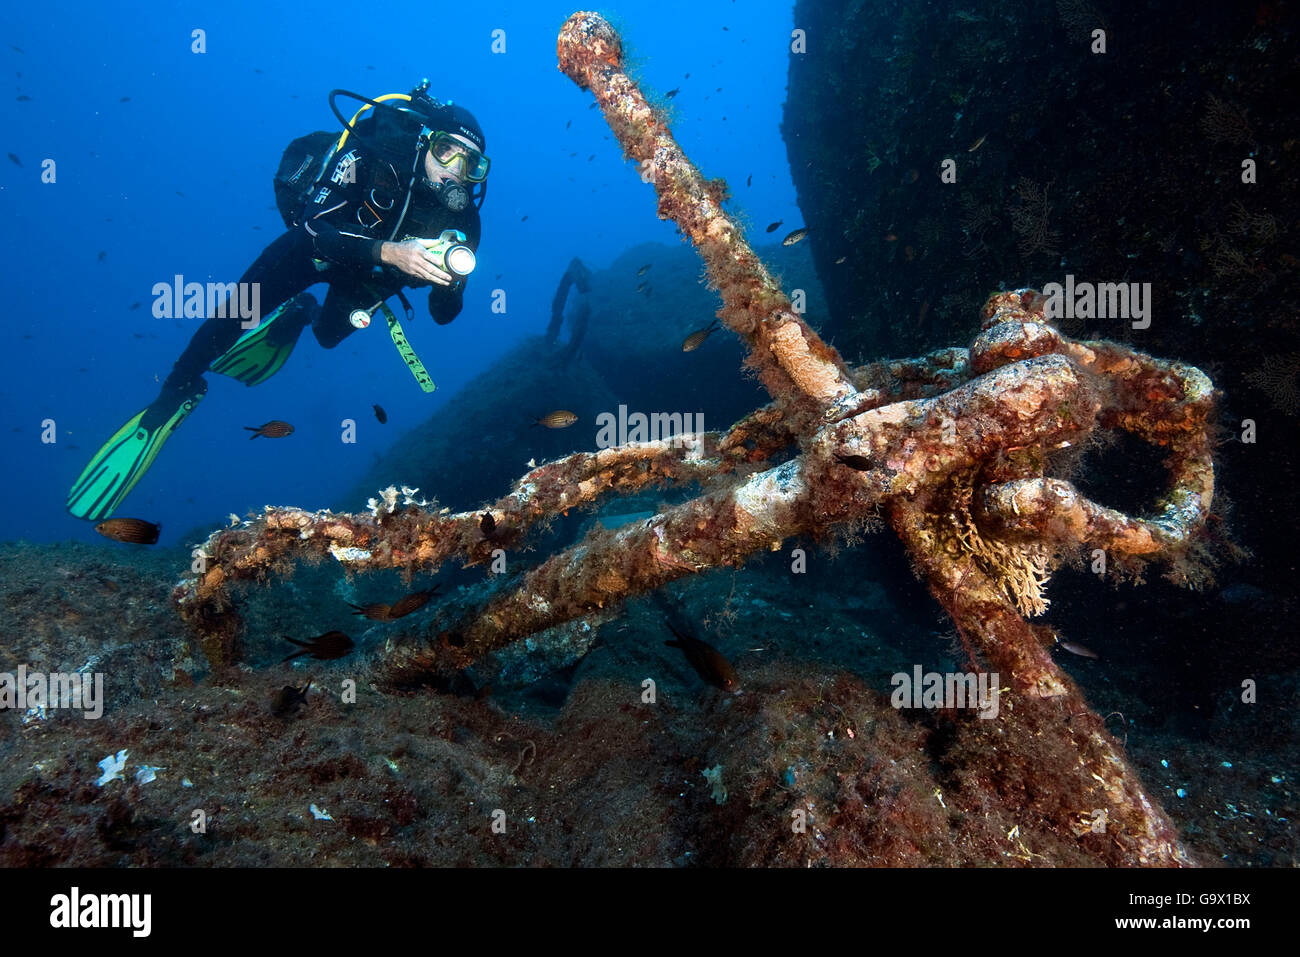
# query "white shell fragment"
(112, 766)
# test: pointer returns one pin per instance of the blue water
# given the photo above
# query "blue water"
(177, 180)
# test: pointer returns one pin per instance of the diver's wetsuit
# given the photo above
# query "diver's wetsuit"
(345, 224)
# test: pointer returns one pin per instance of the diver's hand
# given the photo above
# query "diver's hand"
(412, 257)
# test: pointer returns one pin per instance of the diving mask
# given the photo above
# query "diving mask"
(453, 155)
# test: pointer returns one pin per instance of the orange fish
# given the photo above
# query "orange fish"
(275, 429)
(412, 602)
(559, 419)
(696, 338)
(134, 530)
(375, 612)
(332, 644)
(707, 661)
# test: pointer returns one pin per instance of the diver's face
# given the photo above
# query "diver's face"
(437, 173)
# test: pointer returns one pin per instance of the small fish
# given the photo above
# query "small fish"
(23, 98)
(911, 176)
(644, 269)
(488, 525)
(125, 99)
(591, 106)
(776, 225)
(559, 419)
(135, 306)
(840, 260)
(859, 462)
(285, 701)
(891, 237)
(707, 661)
(641, 286)
(1074, 648)
(673, 92)
(524, 219)
(380, 414)
(696, 338)
(332, 644)
(749, 180)
(134, 530)
(375, 612)
(795, 236)
(648, 289)
(275, 429)
(412, 602)
(16, 161)
(103, 254)
(15, 49)
(909, 253)
(977, 144)
(568, 124)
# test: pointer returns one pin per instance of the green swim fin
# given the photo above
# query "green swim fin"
(124, 458)
(260, 352)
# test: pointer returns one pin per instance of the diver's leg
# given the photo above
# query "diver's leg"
(254, 354)
(123, 459)
(261, 351)
(282, 271)
(333, 324)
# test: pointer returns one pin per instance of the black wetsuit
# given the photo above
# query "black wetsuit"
(348, 217)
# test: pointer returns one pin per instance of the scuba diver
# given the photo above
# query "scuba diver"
(392, 202)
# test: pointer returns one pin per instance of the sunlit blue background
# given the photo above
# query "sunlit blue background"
(177, 179)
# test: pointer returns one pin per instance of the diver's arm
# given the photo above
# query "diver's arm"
(412, 258)
(347, 249)
(446, 302)
(331, 215)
